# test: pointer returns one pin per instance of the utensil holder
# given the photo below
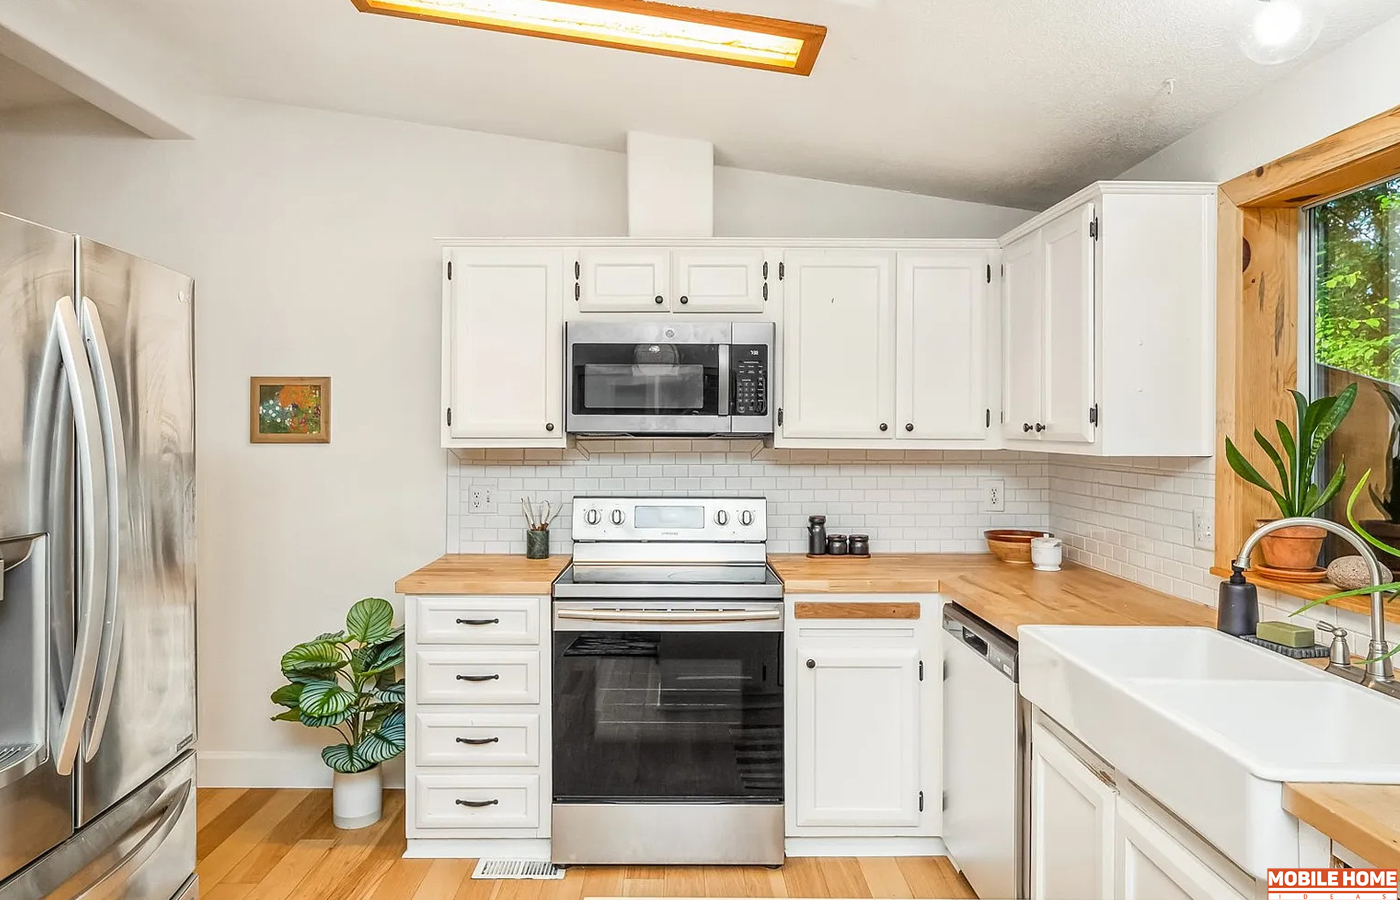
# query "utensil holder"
(537, 544)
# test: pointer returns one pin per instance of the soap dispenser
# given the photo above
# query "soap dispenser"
(1237, 611)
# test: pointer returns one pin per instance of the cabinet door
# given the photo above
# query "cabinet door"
(838, 345)
(624, 279)
(1069, 326)
(1072, 819)
(857, 735)
(1022, 312)
(941, 354)
(504, 350)
(718, 280)
(1150, 864)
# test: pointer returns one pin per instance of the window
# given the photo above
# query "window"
(1355, 320)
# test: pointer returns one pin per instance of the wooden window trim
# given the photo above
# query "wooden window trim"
(1257, 292)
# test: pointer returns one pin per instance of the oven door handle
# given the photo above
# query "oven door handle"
(669, 617)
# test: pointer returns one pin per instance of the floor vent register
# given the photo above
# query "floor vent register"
(517, 868)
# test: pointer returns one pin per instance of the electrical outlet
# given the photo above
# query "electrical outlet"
(479, 499)
(1203, 524)
(993, 496)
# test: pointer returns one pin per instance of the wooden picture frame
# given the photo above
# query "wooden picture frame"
(289, 410)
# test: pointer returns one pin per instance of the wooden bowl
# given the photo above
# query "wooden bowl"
(1012, 545)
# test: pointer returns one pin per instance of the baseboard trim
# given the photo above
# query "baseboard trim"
(268, 769)
(865, 846)
(476, 848)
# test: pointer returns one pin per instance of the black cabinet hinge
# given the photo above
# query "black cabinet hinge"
(989, 273)
(945, 799)
(449, 270)
(577, 291)
(765, 292)
(989, 418)
(921, 670)
(765, 268)
(1094, 228)
(780, 415)
(921, 801)
(945, 670)
(782, 271)
(449, 417)
(577, 271)
(1094, 415)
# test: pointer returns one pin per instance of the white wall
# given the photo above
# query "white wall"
(1352, 83)
(310, 235)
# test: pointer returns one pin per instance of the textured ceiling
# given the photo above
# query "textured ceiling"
(1016, 102)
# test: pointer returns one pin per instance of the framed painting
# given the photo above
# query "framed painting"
(289, 411)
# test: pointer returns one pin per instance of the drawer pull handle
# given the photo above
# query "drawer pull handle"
(478, 677)
(477, 804)
(476, 742)
(479, 621)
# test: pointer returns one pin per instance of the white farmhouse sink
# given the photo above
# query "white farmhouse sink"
(1211, 726)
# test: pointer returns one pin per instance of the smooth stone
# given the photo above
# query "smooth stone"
(1350, 573)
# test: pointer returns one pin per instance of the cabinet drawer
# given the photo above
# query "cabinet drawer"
(485, 800)
(470, 677)
(489, 621)
(477, 739)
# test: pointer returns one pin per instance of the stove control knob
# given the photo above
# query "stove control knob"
(617, 517)
(746, 517)
(721, 518)
(591, 517)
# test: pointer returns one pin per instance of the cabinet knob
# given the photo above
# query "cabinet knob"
(548, 426)
(659, 300)
(811, 663)
(1026, 426)
(884, 426)
(1039, 427)
(685, 299)
(908, 426)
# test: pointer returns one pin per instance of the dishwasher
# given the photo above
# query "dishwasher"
(986, 772)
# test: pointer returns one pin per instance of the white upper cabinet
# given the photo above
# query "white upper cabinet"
(838, 345)
(503, 348)
(718, 280)
(941, 342)
(624, 279)
(1108, 301)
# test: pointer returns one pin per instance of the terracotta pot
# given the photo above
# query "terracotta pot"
(1388, 533)
(1295, 547)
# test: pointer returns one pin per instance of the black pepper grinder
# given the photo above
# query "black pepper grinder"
(816, 535)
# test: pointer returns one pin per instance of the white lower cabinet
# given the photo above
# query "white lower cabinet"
(1093, 839)
(863, 724)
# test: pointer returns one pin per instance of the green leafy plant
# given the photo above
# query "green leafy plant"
(1389, 504)
(346, 680)
(1297, 494)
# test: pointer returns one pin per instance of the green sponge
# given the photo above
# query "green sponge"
(1286, 633)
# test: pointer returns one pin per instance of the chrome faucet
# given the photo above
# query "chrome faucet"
(1380, 674)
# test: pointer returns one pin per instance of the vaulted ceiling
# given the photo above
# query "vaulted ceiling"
(1016, 102)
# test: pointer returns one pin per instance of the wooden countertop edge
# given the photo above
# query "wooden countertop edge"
(1370, 828)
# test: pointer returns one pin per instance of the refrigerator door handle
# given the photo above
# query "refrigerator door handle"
(154, 828)
(92, 535)
(114, 458)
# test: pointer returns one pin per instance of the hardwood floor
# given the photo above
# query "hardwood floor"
(282, 845)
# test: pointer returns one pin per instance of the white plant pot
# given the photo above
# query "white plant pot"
(357, 799)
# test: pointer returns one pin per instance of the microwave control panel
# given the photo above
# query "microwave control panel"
(749, 363)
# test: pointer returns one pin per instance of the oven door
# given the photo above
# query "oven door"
(648, 379)
(664, 703)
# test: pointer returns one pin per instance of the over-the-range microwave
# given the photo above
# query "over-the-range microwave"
(669, 378)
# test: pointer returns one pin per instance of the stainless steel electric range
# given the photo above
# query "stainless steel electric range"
(668, 685)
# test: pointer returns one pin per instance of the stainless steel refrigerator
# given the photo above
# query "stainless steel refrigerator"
(97, 668)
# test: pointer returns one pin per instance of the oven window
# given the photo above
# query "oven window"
(646, 379)
(668, 716)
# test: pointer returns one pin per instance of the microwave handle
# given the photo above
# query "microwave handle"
(724, 386)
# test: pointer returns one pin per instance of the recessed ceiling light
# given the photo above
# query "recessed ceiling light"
(1280, 31)
(723, 37)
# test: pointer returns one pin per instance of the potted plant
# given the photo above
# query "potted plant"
(1297, 548)
(1388, 503)
(346, 680)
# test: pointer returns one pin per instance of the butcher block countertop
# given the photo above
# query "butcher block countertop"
(1364, 818)
(1006, 596)
(483, 573)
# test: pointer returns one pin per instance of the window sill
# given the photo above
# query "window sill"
(1315, 591)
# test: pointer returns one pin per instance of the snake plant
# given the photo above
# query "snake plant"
(1297, 494)
(346, 680)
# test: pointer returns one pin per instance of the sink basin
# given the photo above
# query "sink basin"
(1211, 726)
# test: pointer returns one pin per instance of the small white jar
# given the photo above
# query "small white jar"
(1047, 553)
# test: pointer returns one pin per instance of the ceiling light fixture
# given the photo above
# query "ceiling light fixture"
(735, 39)
(1280, 31)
